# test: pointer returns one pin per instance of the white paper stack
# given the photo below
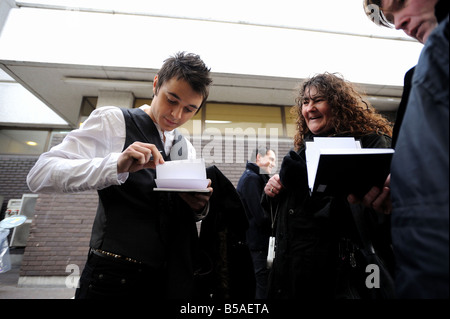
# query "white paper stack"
(183, 175)
(339, 165)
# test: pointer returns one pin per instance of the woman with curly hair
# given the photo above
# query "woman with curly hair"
(315, 235)
(349, 113)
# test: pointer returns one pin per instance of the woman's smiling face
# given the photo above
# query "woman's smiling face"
(316, 111)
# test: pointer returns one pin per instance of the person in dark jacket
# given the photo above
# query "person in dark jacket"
(420, 167)
(250, 189)
(381, 13)
(226, 270)
(316, 235)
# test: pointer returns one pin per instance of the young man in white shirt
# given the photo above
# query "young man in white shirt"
(143, 242)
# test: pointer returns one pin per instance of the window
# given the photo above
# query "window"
(140, 102)
(24, 142)
(236, 119)
(290, 121)
(87, 106)
(243, 119)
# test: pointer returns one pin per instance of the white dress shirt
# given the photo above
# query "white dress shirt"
(87, 157)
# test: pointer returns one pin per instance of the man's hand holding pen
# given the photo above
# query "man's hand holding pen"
(138, 156)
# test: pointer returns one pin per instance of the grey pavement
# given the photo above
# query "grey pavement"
(9, 288)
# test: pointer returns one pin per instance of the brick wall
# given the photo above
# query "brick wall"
(59, 235)
(60, 232)
(13, 174)
(61, 225)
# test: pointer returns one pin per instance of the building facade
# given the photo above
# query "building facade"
(244, 110)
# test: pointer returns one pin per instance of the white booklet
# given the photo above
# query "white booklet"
(338, 165)
(182, 176)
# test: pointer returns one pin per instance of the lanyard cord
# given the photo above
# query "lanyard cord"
(273, 218)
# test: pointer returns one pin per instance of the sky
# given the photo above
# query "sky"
(289, 48)
(228, 35)
(325, 14)
(332, 15)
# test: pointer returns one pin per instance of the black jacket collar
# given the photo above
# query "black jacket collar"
(441, 10)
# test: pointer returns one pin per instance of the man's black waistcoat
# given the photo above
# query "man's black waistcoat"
(134, 221)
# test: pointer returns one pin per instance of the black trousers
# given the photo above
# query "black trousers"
(107, 278)
(261, 273)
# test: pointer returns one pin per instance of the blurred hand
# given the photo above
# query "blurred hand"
(273, 186)
(379, 200)
(197, 201)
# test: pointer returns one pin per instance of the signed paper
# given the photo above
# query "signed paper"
(339, 166)
(182, 175)
(313, 151)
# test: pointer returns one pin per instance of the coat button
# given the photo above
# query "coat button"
(291, 211)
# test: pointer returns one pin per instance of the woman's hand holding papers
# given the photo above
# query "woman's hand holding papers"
(378, 200)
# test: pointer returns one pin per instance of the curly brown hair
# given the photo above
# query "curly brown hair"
(352, 114)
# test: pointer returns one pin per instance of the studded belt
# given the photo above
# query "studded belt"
(103, 253)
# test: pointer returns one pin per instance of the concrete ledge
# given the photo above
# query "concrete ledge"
(16, 259)
(48, 281)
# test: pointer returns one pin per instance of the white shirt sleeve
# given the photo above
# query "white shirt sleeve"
(87, 157)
